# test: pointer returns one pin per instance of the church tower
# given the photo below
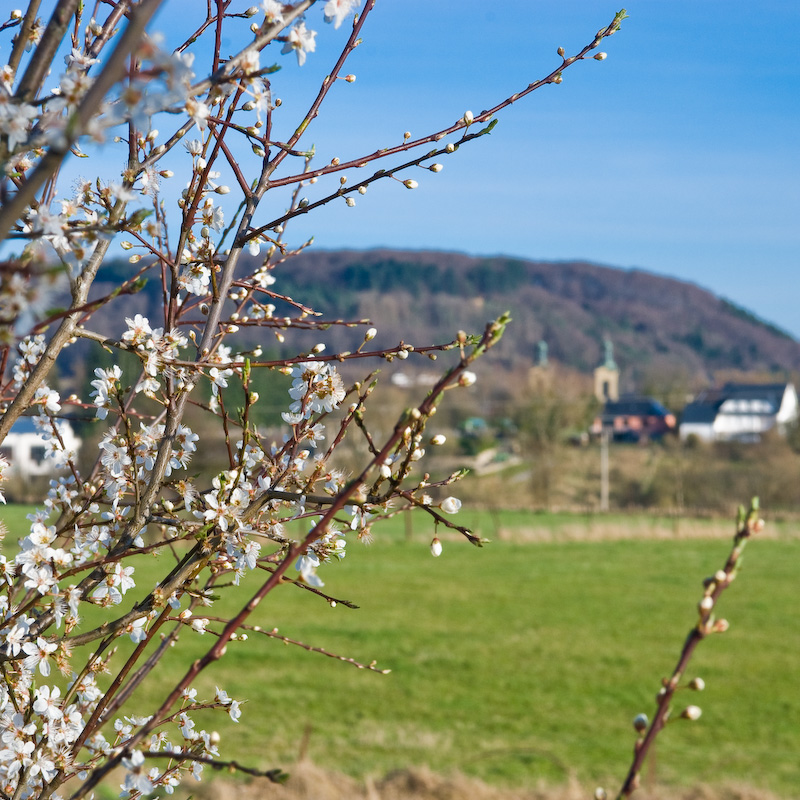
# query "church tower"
(606, 376)
(540, 377)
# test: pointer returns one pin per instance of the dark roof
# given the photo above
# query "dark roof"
(705, 407)
(24, 425)
(634, 406)
(756, 388)
(698, 412)
(27, 424)
(773, 392)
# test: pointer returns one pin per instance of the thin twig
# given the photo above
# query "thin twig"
(748, 524)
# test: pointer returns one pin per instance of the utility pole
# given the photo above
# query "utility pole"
(604, 436)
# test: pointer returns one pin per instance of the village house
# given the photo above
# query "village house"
(631, 418)
(626, 418)
(740, 412)
(24, 448)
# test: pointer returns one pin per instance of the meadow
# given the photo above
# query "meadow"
(522, 662)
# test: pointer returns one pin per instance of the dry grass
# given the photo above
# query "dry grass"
(597, 529)
(665, 478)
(309, 782)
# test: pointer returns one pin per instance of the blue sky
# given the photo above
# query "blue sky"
(678, 154)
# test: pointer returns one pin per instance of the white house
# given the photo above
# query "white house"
(25, 447)
(740, 412)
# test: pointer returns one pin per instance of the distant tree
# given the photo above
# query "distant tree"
(558, 411)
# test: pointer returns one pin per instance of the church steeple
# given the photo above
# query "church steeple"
(541, 354)
(606, 375)
(540, 375)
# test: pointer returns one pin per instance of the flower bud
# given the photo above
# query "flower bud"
(467, 378)
(370, 334)
(406, 135)
(697, 684)
(409, 183)
(439, 439)
(435, 167)
(362, 189)
(560, 51)
(349, 201)
(350, 78)
(450, 147)
(706, 604)
(599, 792)
(600, 56)
(436, 547)
(692, 713)
(450, 505)
(468, 118)
(640, 722)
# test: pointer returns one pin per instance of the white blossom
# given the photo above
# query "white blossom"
(307, 567)
(38, 654)
(336, 10)
(302, 41)
(273, 11)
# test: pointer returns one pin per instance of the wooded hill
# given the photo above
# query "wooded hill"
(662, 329)
(654, 322)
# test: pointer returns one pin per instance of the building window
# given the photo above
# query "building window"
(37, 454)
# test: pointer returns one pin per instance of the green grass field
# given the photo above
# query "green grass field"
(518, 662)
